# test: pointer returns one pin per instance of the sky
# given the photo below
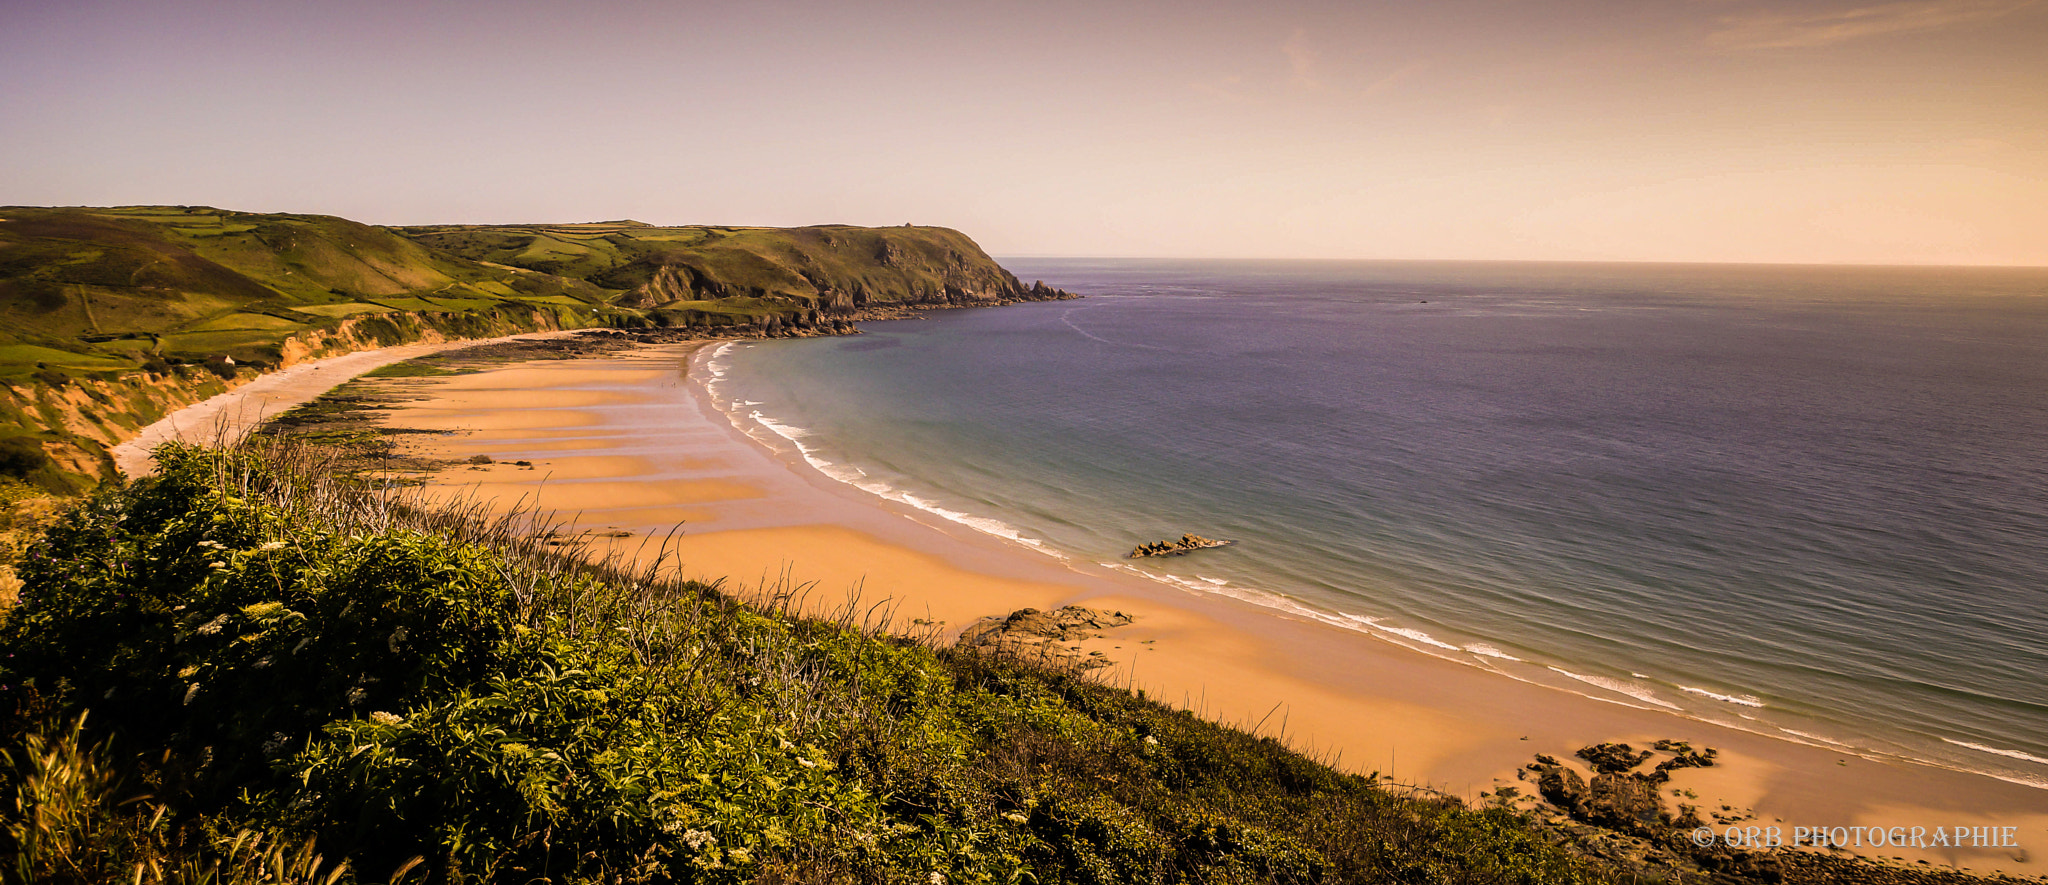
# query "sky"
(1828, 131)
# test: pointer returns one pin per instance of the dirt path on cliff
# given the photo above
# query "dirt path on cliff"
(229, 417)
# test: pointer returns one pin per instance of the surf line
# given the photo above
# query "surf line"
(1066, 317)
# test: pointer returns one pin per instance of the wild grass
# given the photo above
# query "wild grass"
(278, 649)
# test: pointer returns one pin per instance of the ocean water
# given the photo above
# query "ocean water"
(1808, 502)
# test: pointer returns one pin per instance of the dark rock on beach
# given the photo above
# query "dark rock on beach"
(1035, 636)
(1186, 544)
(1561, 786)
(1625, 802)
(1613, 758)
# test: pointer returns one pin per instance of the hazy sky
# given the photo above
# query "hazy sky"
(1711, 130)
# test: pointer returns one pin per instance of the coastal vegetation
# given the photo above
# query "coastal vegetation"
(114, 316)
(258, 666)
(253, 667)
(245, 662)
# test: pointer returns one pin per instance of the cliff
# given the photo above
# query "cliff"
(114, 316)
(803, 277)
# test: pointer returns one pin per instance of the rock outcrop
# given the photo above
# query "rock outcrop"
(1185, 544)
(1036, 636)
(1620, 816)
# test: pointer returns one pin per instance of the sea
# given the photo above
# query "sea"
(1809, 502)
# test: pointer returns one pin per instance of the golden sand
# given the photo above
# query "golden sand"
(625, 442)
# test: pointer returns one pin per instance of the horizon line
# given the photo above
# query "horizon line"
(1673, 261)
(1047, 255)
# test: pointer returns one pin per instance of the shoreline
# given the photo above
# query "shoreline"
(630, 443)
(787, 442)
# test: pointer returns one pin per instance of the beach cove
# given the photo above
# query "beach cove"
(629, 443)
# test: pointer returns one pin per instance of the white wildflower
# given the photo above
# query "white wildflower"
(938, 878)
(382, 718)
(672, 827)
(209, 542)
(271, 545)
(1151, 741)
(698, 840)
(806, 762)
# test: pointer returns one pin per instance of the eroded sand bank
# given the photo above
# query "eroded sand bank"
(228, 417)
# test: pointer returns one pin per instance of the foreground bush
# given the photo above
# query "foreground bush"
(446, 697)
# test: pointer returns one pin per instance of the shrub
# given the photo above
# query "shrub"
(308, 662)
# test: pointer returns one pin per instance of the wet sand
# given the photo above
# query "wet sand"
(627, 443)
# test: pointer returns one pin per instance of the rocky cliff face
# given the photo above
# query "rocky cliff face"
(710, 276)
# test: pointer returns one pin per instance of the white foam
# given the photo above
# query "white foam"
(1211, 586)
(860, 479)
(2036, 783)
(979, 523)
(1370, 626)
(2010, 754)
(1746, 700)
(789, 432)
(842, 472)
(715, 366)
(1619, 687)
(1404, 632)
(1815, 737)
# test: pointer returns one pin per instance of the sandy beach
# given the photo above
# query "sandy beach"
(230, 416)
(628, 443)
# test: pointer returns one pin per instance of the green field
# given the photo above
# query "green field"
(24, 354)
(103, 294)
(342, 309)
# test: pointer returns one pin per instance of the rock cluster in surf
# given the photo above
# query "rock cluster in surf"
(1186, 544)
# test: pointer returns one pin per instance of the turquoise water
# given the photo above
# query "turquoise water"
(1808, 502)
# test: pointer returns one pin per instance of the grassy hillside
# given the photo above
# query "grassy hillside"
(276, 656)
(89, 291)
(98, 291)
(687, 274)
(111, 317)
(249, 670)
